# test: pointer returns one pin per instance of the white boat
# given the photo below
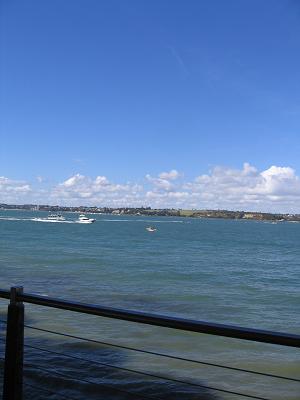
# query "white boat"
(82, 219)
(151, 229)
(56, 217)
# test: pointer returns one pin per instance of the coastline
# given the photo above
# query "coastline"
(148, 211)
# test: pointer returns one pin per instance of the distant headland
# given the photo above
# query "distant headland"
(168, 212)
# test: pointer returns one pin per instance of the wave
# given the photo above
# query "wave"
(142, 220)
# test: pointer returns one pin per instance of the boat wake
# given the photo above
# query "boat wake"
(51, 221)
(159, 221)
(14, 219)
(40, 220)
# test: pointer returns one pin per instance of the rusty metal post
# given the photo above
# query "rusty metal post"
(14, 350)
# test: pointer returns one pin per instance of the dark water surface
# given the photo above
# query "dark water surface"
(237, 272)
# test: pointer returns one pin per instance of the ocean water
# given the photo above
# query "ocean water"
(237, 272)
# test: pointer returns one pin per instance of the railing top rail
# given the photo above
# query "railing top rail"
(231, 331)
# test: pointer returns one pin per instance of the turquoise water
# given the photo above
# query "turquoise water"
(237, 272)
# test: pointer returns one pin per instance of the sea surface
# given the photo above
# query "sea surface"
(227, 271)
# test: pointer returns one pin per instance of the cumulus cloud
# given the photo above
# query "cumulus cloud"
(159, 183)
(279, 181)
(172, 175)
(275, 189)
(99, 190)
(227, 187)
(163, 181)
(13, 190)
(40, 179)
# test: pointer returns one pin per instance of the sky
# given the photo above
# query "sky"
(161, 103)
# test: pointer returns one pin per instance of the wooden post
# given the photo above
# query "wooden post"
(13, 365)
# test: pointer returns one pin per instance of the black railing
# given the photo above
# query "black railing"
(13, 363)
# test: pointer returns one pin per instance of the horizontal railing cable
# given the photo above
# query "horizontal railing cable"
(166, 378)
(51, 372)
(113, 388)
(153, 353)
(163, 355)
(49, 391)
(147, 352)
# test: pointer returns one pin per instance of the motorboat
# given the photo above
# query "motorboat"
(82, 219)
(151, 229)
(55, 217)
(51, 218)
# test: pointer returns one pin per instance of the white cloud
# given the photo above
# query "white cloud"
(159, 183)
(275, 189)
(99, 190)
(40, 179)
(172, 175)
(162, 182)
(247, 188)
(73, 181)
(279, 181)
(13, 190)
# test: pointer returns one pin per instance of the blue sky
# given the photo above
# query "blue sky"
(129, 90)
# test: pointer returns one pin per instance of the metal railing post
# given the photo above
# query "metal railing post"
(13, 365)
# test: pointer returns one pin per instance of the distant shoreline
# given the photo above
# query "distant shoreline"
(148, 211)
